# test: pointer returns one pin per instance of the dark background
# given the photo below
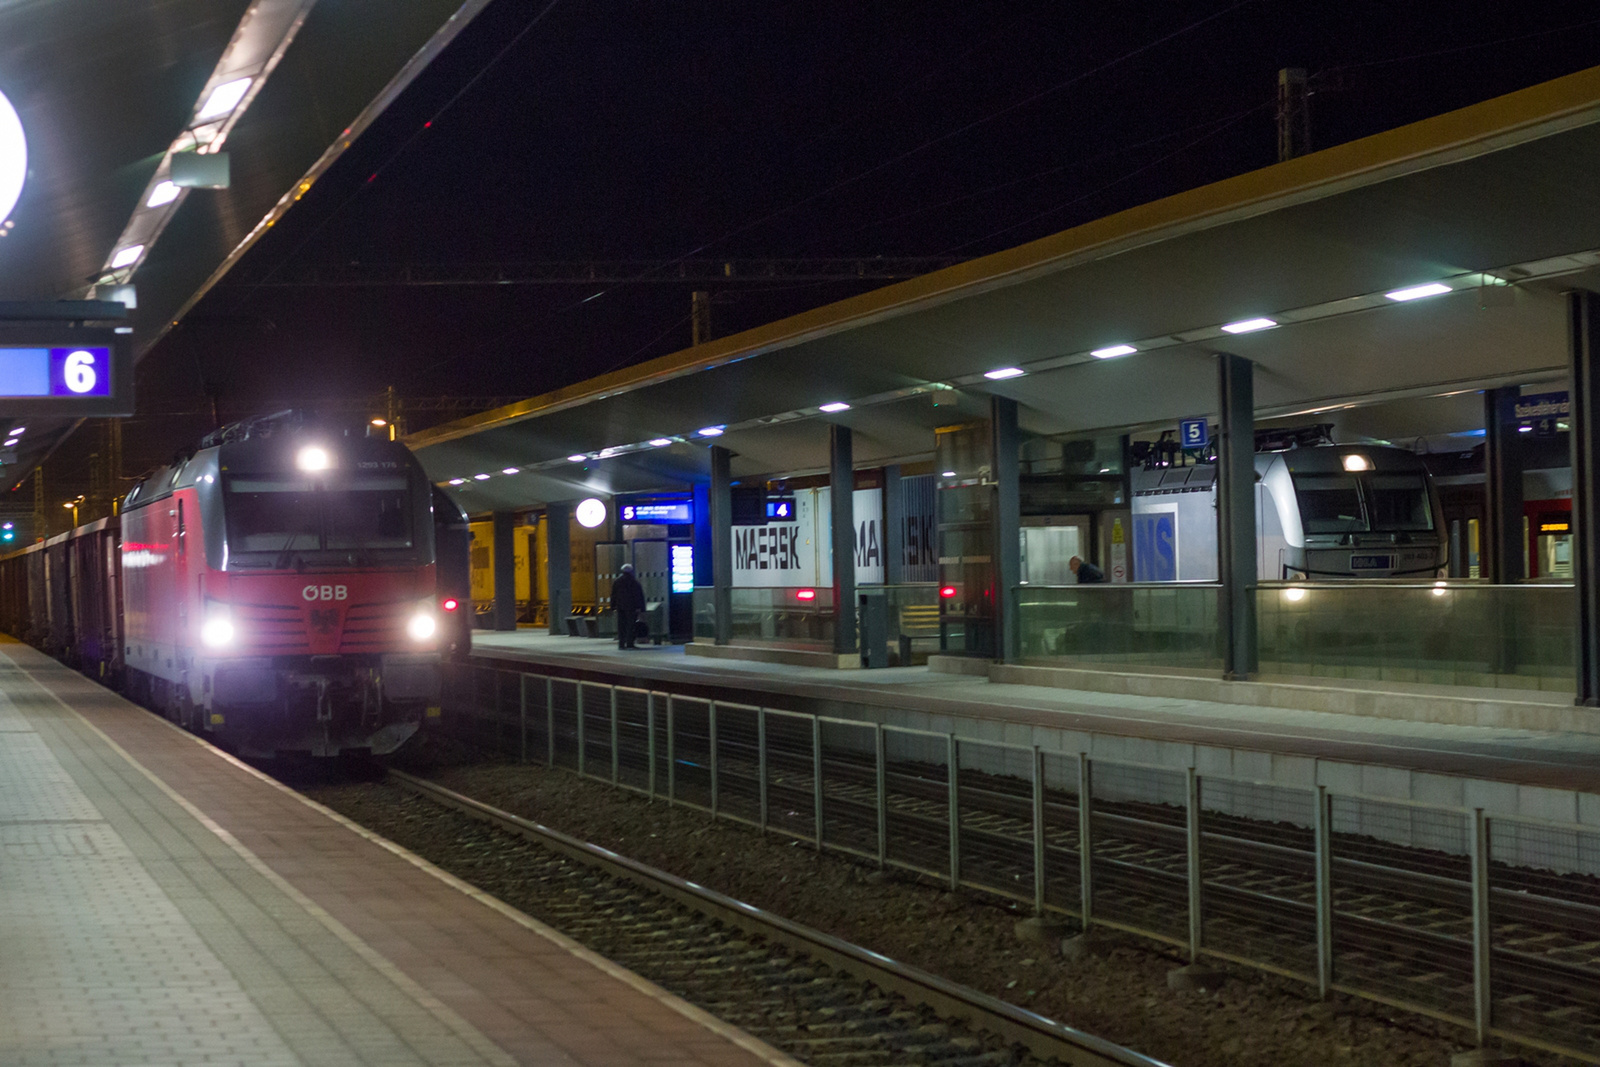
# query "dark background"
(588, 129)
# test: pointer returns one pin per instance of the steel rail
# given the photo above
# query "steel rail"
(1040, 1035)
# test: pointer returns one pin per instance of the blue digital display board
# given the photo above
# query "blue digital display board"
(65, 372)
(663, 513)
(57, 369)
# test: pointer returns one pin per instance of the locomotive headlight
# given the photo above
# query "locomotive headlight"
(423, 625)
(313, 458)
(217, 630)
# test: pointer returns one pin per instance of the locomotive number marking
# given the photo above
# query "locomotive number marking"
(325, 592)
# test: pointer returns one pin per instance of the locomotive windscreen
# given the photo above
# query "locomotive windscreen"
(1398, 502)
(1369, 503)
(279, 514)
(1330, 503)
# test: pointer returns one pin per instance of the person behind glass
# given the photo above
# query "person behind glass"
(627, 600)
(1087, 572)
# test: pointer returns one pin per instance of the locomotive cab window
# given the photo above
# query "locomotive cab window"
(290, 515)
(1398, 503)
(1330, 503)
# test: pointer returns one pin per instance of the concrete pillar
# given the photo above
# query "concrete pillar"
(1501, 551)
(842, 483)
(894, 527)
(505, 570)
(1585, 437)
(1007, 519)
(722, 543)
(1236, 515)
(558, 566)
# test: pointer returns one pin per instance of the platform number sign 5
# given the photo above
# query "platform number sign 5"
(1193, 433)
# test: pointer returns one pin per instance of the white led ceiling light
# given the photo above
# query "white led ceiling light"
(259, 42)
(13, 157)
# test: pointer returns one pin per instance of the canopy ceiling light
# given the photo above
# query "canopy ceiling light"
(13, 157)
(1417, 292)
(1249, 325)
(263, 34)
(1113, 351)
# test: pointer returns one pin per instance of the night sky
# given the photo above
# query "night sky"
(648, 129)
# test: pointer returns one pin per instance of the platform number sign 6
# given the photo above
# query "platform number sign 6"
(79, 372)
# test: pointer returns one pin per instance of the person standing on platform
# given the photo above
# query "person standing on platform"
(627, 600)
(1087, 572)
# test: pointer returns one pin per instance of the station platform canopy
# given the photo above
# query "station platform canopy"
(111, 96)
(1490, 206)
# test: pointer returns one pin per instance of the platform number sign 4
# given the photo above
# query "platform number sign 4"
(1193, 433)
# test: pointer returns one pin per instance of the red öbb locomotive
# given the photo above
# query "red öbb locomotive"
(286, 588)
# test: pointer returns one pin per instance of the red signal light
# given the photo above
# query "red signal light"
(450, 603)
(805, 594)
(947, 591)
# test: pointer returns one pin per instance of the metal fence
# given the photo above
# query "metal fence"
(1493, 924)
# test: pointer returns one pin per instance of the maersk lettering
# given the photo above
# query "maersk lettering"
(868, 553)
(762, 548)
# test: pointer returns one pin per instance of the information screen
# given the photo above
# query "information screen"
(661, 513)
(65, 372)
(72, 371)
(683, 568)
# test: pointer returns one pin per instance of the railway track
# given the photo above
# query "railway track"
(1401, 916)
(821, 1000)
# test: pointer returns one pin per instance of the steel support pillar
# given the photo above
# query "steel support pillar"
(505, 571)
(1007, 527)
(1236, 515)
(894, 527)
(558, 564)
(722, 543)
(1501, 550)
(1585, 437)
(842, 486)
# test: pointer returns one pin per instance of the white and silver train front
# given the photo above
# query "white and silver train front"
(1322, 513)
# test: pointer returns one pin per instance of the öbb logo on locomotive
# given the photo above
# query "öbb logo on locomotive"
(290, 585)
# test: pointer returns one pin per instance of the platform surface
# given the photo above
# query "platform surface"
(161, 903)
(1549, 759)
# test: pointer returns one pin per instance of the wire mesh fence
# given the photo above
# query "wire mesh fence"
(1492, 923)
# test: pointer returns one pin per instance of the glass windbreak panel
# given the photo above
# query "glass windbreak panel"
(1441, 633)
(787, 617)
(1398, 502)
(1329, 503)
(1157, 625)
(285, 515)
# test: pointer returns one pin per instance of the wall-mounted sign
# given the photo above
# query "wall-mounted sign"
(13, 157)
(1194, 433)
(56, 370)
(667, 513)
